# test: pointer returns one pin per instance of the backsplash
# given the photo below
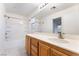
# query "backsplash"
(68, 36)
(71, 36)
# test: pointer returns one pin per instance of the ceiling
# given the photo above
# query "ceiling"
(27, 9)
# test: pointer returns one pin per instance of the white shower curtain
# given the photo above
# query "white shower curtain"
(15, 34)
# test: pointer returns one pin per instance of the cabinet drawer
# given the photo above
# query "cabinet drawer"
(35, 49)
(33, 53)
(34, 42)
(55, 52)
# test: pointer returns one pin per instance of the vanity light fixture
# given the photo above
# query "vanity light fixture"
(43, 5)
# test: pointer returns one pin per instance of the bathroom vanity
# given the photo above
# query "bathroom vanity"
(49, 45)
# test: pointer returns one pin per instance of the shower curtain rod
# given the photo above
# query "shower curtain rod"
(11, 17)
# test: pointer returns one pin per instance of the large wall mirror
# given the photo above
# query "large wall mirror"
(69, 24)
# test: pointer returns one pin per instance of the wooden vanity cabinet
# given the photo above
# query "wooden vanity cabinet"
(44, 50)
(36, 47)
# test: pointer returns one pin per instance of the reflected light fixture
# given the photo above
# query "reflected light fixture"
(43, 5)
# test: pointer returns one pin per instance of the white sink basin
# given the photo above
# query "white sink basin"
(58, 40)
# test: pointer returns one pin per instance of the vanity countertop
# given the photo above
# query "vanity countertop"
(68, 44)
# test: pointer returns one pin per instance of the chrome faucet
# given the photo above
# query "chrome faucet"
(60, 34)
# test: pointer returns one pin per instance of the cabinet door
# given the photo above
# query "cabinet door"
(34, 42)
(55, 52)
(44, 50)
(27, 44)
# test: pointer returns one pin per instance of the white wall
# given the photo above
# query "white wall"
(2, 24)
(70, 20)
(2, 28)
